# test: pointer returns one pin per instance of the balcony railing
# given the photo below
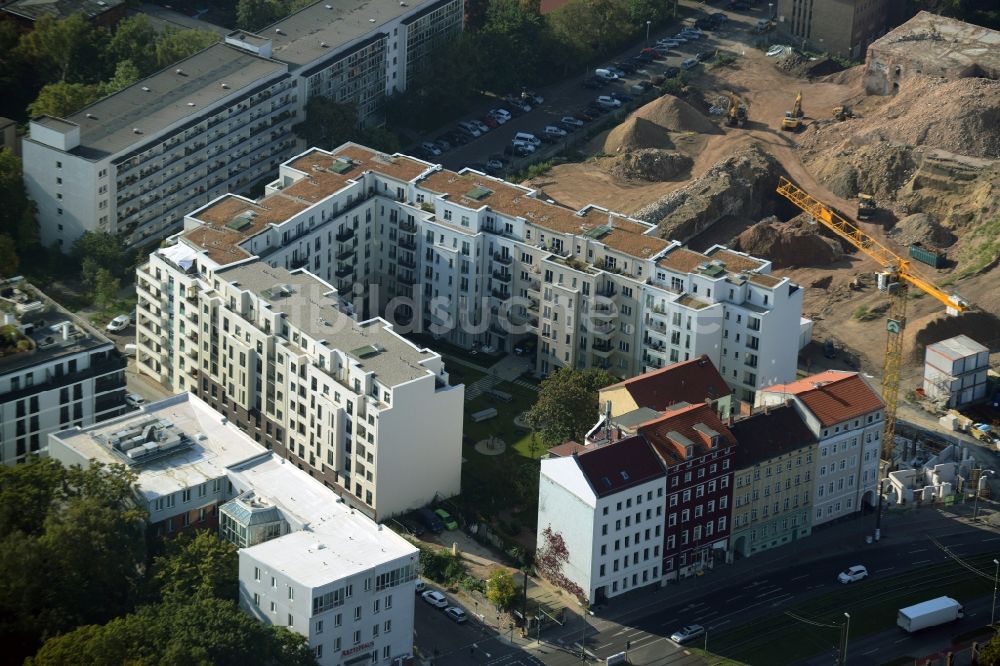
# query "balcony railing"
(344, 271)
(407, 244)
(501, 295)
(504, 259)
(406, 262)
(502, 276)
(345, 254)
(408, 227)
(345, 235)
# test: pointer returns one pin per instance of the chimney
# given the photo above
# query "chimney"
(607, 418)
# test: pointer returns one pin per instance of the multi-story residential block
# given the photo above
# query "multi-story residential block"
(773, 489)
(846, 416)
(689, 382)
(307, 561)
(55, 372)
(319, 568)
(136, 162)
(955, 371)
(281, 354)
(696, 449)
(482, 262)
(607, 503)
(841, 27)
(181, 450)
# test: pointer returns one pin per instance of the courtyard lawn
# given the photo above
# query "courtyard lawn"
(461, 374)
(518, 439)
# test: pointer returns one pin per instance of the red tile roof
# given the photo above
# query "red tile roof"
(833, 396)
(567, 449)
(691, 381)
(694, 423)
(616, 467)
(767, 435)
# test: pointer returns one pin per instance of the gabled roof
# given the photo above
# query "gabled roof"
(694, 425)
(616, 467)
(691, 381)
(833, 396)
(770, 434)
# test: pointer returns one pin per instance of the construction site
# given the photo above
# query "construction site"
(900, 153)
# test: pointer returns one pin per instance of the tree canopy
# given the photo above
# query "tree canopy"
(501, 589)
(567, 405)
(202, 566)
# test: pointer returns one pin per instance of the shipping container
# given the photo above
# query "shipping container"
(926, 256)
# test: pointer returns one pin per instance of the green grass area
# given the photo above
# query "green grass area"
(462, 374)
(985, 251)
(873, 604)
(502, 425)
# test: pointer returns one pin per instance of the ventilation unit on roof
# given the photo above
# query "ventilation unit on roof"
(190, 103)
(145, 89)
(371, 20)
(179, 71)
(323, 44)
(90, 115)
(225, 85)
(328, 6)
(136, 130)
(278, 30)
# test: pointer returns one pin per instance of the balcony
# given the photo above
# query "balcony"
(408, 227)
(604, 311)
(406, 262)
(407, 278)
(504, 259)
(602, 349)
(345, 235)
(500, 295)
(534, 285)
(658, 345)
(607, 291)
(344, 271)
(407, 244)
(502, 276)
(603, 330)
(344, 255)
(533, 305)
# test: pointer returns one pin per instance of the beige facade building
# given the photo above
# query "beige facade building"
(839, 27)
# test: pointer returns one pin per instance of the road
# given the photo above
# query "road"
(727, 607)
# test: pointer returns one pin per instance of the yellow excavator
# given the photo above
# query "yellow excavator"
(895, 279)
(793, 119)
(842, 112)
(737, 115)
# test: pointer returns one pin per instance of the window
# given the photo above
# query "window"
(357, 612)
(291, 620)
(319, 651)
(319, 627)
(387, 626)
(256, 599)
(256, 574)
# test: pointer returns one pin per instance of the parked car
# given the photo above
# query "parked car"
(532, 96)
(443, 142)
(693, 31)
(494, 164)
(431, 148)
(583, 115)
(446, 518)
(481, 126)
(430, 520)
(554, 131)
(458, 138)
(522, 148)
(490, 122)
(704, 23)
(134, 400)
(669, 43)
(518, 104)
(469, 128)
(119, 323)
(687, 634)
(689, 63)
(570, 120)
(435, 598)
(652, 54)
(705, 56)
(620, 96)
(130, 350)
(658, 79)
(680, 38)
(620, 73)
(412, 526)
(644, 57)
(718, 18)
(608, 101)
(671, 72)
(627, 67)
(457, 614)
(853, 574)
(500, 115)
(419, 586)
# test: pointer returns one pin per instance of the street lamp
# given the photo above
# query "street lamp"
(648, 23)
(979, 481)
(847, 635)
(878, 510)
(996, 571)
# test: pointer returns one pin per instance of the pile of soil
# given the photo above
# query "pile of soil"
(676, 115)
(921, 228)
(790, 62)
(650, 164)
(795, 243)
(879, 169)
(636, 133)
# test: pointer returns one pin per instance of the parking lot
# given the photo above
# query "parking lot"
(572, 98)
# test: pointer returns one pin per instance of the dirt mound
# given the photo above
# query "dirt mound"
(788, 244)
(737, 186)
(923, 229)
(636, 133)
(676, 115)
(650, 164)
(879, 169)
(790, 63)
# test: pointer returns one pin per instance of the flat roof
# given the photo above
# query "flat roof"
(302, 35)
(206, 458)
(60, 9)
(958, 347)
(335, 541)
(946, 43)
(53, 331)
(162, 100)
(311, 310)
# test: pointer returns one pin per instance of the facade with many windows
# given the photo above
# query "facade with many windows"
(134, 163)
(478, 262)
(772, 496)
(55, 372)
(846, 415)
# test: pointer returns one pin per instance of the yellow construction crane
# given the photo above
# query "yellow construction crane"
(895, 280)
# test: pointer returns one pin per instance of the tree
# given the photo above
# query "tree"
(567, 407)
(62, 99)
(550, 557)
(9, 260)
(256, 14)
(135, 40)
(202, 566)
(17, 214)
(989, 655)
(104, 250)
(66, 49)
(126, 73)
(328, 123)
(512, 27)
(199, 632)
(501, 589)
(174, 45)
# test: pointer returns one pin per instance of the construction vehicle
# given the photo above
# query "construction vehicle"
(842, 112)
(866, 206)
(737, 115)
(793, 119)
(895, 279)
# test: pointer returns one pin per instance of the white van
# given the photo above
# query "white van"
(527, 138)
(690, 63)
(130, 350)
(523, 145)
(605, 74)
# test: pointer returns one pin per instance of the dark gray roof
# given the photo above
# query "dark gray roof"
(108, 129)
(36, 9)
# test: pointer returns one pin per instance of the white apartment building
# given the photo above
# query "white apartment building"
(482, 262)
(846, 416)
(607, 504)
(281, 354)
(320, 568)
(55, 372)
(221, 120)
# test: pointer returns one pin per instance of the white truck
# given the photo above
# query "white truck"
(930, 614)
